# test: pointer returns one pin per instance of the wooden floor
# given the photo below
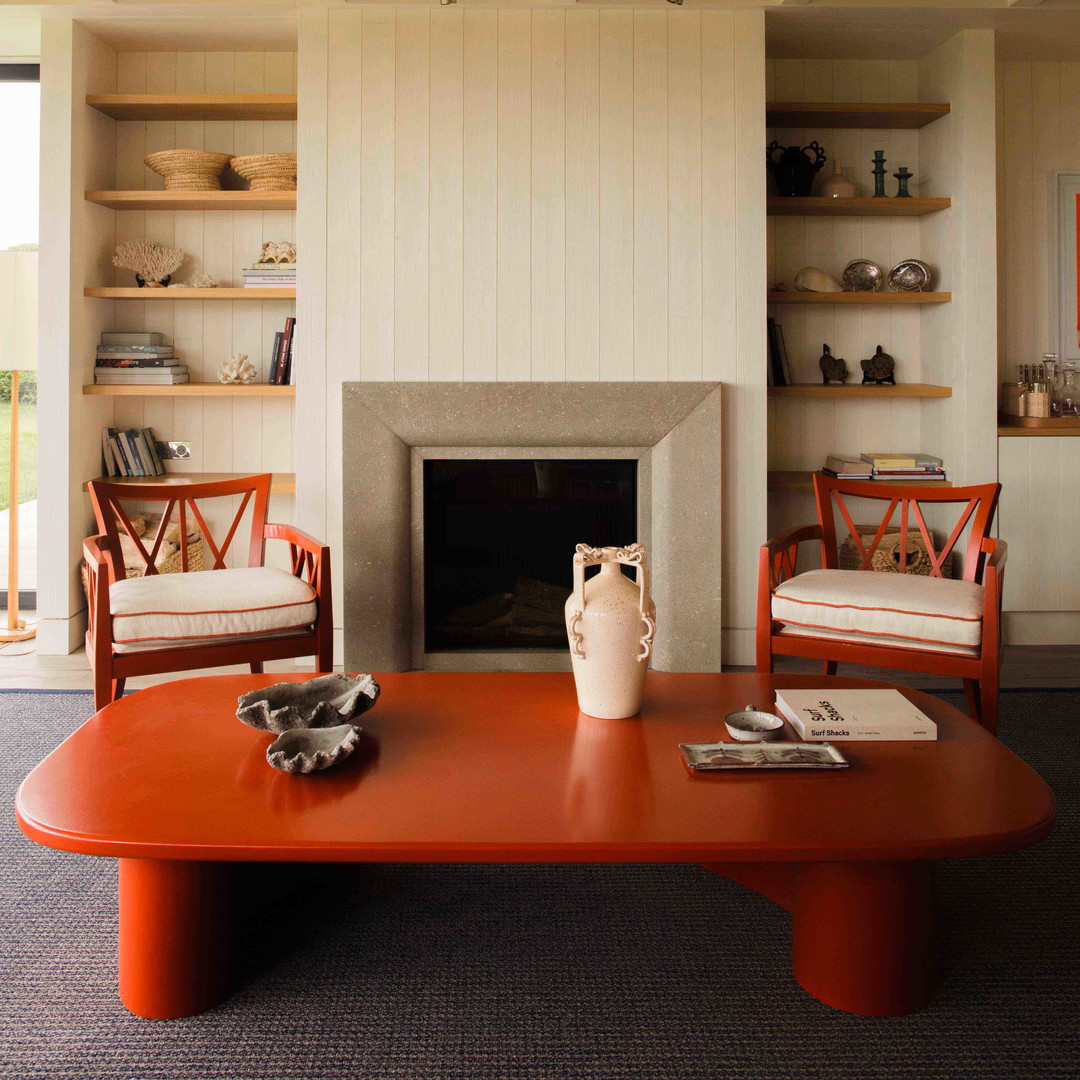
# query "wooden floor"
(1024, 666)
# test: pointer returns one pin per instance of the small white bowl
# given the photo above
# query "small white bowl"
(752, 725)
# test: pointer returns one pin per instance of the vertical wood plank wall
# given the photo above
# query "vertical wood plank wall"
(533, 195)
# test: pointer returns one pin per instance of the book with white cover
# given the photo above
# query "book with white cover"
(854, 716)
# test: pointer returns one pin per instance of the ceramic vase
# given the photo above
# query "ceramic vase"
(610, 621)
(837, 185)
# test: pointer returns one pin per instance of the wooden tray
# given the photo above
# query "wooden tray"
(1064, 422)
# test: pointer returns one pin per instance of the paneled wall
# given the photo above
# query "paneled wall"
(1038, 122)
(533, 195)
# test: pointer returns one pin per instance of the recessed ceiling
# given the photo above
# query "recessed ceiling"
(1048, 32)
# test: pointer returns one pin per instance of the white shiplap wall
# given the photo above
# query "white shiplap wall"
(533, 195)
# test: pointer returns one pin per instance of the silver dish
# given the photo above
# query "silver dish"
(862, 275)
(753, 725)
(911, 275)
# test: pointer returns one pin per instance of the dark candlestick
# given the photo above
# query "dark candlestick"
(879, 174)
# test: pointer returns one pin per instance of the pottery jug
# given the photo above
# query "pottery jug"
(794, 172)
(610, 621)
(837, 185)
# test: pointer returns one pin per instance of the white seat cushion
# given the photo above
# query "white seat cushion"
(903, 610)
(211, 607)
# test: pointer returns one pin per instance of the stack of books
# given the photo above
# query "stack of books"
(281, 356)
(139, 358)
(270, 276)
(131, 453)
(893, 468)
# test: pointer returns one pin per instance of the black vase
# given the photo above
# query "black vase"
(794, 172)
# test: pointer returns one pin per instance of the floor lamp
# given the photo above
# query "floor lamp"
(15, 629)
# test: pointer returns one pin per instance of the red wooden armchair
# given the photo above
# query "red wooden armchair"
(174, 622)
(932, 624)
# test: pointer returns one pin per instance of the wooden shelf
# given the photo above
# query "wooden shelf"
(194, 200)
(798, 482)
(851, 114)
(195, 106)
(282, 484)
(1054, 427)
(190, 389)
(901, 298)
(860, 206)
(860, 390)
(191, 294)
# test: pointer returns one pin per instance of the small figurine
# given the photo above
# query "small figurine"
(902, 177)
(879, 174)
(833, 368)
(879, 368)
(237, 370)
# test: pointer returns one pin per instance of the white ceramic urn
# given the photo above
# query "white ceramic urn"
(610, 621)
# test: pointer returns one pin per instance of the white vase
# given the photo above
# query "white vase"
(610, 621)
(837, 185)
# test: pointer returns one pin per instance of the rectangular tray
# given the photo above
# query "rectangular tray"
(762, 755)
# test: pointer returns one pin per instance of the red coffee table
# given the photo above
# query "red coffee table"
(501, 768)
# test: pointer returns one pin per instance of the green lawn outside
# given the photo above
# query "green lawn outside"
(27, 452)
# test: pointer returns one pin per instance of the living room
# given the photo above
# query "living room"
(411, 335)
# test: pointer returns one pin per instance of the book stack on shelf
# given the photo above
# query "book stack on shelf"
(270, 276)
(137, 359)
(131, 453)
(281, 356)
(893, 468)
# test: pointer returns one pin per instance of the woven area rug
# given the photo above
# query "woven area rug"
(540, 972)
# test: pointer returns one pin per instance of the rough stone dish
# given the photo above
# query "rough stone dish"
(323, 702)
(306, 750)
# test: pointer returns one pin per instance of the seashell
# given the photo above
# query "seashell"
(323, 702)
(204, 281)
(811, 279)
(862, 275)
(278, 251)
(306, 750)
(911, 275)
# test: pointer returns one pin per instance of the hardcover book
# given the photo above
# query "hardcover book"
(137, 337)
(854, 716)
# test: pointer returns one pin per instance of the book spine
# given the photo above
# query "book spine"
(106, 453)
(151, 445)
(274, 358)
(129, 362)
(289, 374)
(144, 455)
(286, 343)
(127, 340)
(120, 451)
(133, 448)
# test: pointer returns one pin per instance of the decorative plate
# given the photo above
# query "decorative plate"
(911, 275)
(862, 275)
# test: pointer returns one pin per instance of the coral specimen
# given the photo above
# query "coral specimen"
(153, 263)
(237, 370)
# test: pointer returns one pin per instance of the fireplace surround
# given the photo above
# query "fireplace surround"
(390, 429)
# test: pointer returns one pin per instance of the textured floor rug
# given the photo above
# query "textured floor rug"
(507, 972)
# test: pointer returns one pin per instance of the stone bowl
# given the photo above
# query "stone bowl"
(307, 750)
(323, 702)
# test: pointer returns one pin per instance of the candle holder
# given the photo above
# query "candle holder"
(879, 174)
(902, 178)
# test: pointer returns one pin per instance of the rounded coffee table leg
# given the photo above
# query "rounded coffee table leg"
(174, 918)
(862, 935)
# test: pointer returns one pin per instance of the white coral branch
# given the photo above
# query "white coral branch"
(152, 262)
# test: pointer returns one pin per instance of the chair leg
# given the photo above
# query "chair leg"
(103, 686)
(764, 653)
(118, 689)
(974, 702)
(256, 667)
(988, 703)
(828, 667)
(324, 658)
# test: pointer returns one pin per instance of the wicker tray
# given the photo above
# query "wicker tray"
(189, 170)
(267, 172)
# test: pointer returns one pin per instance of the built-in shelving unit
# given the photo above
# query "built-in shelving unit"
(189, 294)
(282, 484)
(191, 389)
(852, 114)
(860, 390)
(853, 206)
(799, 482)
(195, 106)
(194, 200)
(896, 298)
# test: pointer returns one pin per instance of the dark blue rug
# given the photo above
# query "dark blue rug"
(540, 972)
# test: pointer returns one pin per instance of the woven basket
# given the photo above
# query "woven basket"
(171, 565)
(267, 172)
(189, 170)
(887, 557)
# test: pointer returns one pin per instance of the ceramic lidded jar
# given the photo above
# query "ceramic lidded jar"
(837, 185)
(610, 621)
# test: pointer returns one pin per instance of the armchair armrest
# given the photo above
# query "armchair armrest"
(294, 536)
(310, 558)
(98, 575)
(993, 592)
(792, 538)
(998, 551)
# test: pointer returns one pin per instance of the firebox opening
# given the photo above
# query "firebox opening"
(499, 537)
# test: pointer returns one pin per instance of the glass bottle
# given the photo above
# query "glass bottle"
(1070, 390)
(1053, 378)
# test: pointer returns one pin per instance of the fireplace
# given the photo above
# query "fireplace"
(463, 503)
(488, 583)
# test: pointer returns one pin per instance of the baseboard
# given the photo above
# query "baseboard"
(58, 637)
(1041, 627)
(739, 647)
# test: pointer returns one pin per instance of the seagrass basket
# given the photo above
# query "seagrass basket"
(189, 170)
(267, 172)
(887, 557)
